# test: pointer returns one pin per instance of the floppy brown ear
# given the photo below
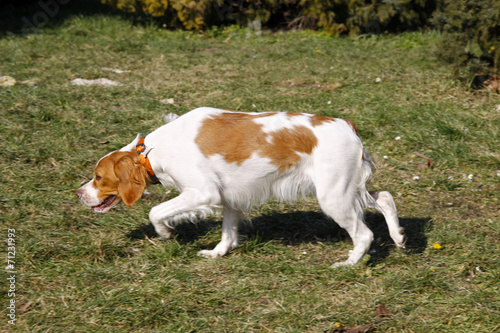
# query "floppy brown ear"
(132, 179)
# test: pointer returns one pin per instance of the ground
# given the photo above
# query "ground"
(79, 271)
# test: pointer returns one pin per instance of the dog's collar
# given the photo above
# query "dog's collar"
(143, 152)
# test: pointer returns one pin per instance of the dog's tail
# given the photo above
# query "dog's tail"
(365, 174)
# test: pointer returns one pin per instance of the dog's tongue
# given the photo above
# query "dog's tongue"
(104, 206)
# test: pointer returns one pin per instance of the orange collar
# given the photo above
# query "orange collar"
(143, 155)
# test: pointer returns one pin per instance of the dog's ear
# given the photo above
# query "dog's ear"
(132, 179)
(132, 146)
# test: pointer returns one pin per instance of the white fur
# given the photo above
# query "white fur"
(336, 172)
(88, 194)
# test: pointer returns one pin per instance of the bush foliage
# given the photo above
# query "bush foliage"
(471, 36)
(334, 16)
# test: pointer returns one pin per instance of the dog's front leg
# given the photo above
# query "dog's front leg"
(187, 205)
(229, 239)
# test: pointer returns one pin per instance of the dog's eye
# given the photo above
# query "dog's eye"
(97, 177)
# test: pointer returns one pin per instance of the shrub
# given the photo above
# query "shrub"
(188, 14)
(471, 38)
(334, 16)
(365, 16)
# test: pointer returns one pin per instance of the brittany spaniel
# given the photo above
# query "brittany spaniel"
(236, 160)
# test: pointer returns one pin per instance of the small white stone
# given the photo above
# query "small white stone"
(168, 101)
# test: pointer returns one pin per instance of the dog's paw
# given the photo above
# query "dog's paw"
(400, 240)
(164, 232)
(346, 263)
(209, 254)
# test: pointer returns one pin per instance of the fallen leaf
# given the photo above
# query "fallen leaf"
(493, 84)
(25, 307)
(429, 164)
(382, 311)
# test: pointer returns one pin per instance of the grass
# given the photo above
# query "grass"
(81, 272)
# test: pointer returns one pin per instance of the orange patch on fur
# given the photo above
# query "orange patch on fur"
(286, 144)
(318, 120)
(235, 136)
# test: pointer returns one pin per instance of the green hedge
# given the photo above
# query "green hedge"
(334, 16)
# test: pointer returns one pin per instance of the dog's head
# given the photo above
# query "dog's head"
(117, 176)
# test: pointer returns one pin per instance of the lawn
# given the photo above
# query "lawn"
(76, 271)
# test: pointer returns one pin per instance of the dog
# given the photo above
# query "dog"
(236, 160)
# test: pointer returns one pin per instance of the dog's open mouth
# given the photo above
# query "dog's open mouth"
(106, 204)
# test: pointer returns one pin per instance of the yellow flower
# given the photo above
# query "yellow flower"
(437, 246)
(336, 324)
(318, 51)
(492, 48)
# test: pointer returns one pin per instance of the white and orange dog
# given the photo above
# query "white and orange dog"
(236, 160)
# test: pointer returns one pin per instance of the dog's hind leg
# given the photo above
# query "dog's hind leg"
(229, 239)
(360, 234)
(340, 203)
(384, 203)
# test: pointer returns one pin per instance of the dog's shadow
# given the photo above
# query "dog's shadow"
(299, 227)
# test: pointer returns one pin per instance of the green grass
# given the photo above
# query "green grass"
(84, 272)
